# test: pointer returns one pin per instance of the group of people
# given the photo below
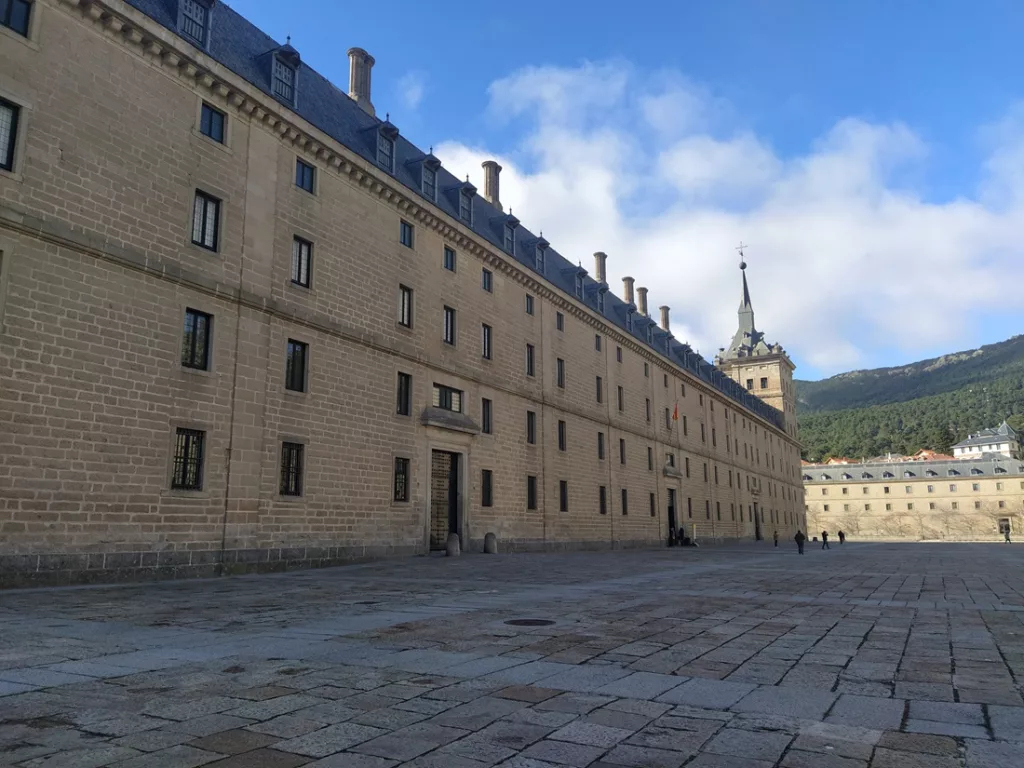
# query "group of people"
(800, 538)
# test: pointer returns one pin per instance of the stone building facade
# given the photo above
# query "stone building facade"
(246, 324)
(958, 500)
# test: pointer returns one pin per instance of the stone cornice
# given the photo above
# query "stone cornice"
(121, 22)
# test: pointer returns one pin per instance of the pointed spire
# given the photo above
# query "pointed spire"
(746, 290)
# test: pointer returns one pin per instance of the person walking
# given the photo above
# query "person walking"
(842, 538)
(775, 538)
(800, 539)
(1006, 534)
(824, 540)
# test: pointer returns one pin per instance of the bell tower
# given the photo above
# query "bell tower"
(763, 369)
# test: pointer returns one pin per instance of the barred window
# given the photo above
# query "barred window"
(295, 366)
(206, 221)
(283, 86)
(447, 398)
(193, 21)
(211, 122)
(195, 348)
(302, 258)
(187, 474)
(401, 489)
(291, 469)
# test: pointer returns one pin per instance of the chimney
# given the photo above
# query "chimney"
(627, 290)
(491, 193)
(664, 320)
(359, 65)
(600, 261)
(642, 303)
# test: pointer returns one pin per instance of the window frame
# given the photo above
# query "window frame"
(406, 234)
(446, 397)
(305, 176)
(531, 369)
(431, 195)
(563, 436)
(405, 306)
(465, 207)
(563, 495)
(531, 493)
(208, 114)
(486, 337)
(529, 304)
(296, 374)
(560, 372)
(188, 351)
(531, 427)
(401, 469)
(449, 260)
(510, 239)
(301, 260)
(386, 152)
(183, 23)
(450, 329)
(487, 280)
(403, 395)
(7, 161)
(486, 488)
(624, 501)
(284, 89)
(204, 224)
(486, 416)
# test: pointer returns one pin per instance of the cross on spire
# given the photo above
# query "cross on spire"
(743, 262)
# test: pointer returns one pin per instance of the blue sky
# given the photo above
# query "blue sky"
(905, 115)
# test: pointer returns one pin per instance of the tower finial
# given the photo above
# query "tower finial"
(743, 262)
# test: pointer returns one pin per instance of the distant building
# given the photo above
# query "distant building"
(1001, 440)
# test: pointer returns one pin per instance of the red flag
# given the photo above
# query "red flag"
(675, 412)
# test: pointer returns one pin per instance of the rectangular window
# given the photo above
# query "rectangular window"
(952, 487)
(486, 488)
(1002, 505)
(192, 22)
(977, 505)
(195, 348)
(621, 398)
(665, 380)
(449, 259)
(305, 176)
(650, 459)
(908, 489)
(510, 239)
(825, 507)
(597, 342)
(211, 120)
(910, 507)
(485, 341)
(750, 383)
(487, 281)
(295, 366)
(668, 419)
(405, 233)
(600, 446)
(703, 434)
(671, 457)
(622, 451)
(562, 436)
(9, 114)
(563, 496)
(302, 260)
(999, 486)
(539, 259)
(600, 389)
(686, 428)
(647, 370)
(206, 221)
(531, 491)
(404, 394)
(956, 506)
(291, 469)
(401, 489)
(931, 505)
(867, 507)
(560, 370)
(386, 152)
(187, 473)
(602, 500)
(449, 325)
(428, 183)
(689, 507)
(888, 507)
(405, 306)
(531, 427)
(465, 207)
(529, 304)
(618, 354)
(529, 360)
(486, 416)
(559, 321)
(283, 82)
(447, 398)
(625, 502)
(647, 410)
(764, 383)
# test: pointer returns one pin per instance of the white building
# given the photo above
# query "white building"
(1002, 440)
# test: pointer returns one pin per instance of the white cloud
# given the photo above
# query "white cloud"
(411, 88)
(847, 258)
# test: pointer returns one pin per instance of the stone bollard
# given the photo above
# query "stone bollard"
(453, 549)
(490, 544)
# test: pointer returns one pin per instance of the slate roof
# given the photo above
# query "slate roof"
(987, 464)
(238, 45)
(1002, 434)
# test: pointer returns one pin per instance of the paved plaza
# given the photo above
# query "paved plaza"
(739, 656)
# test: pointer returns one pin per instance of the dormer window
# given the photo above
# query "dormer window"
(539, 259)
(579, 286)
(600, 301)
(887, 474)
(466, 206)
(629, 320)
(193, 17)
(428, 183)
(650, 334)
(283, 85)
(510, 239)
(385, 151)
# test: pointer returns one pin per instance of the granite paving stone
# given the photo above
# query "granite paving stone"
(867, 712)
(333, 738)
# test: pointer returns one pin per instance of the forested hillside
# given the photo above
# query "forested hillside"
(930, 404)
